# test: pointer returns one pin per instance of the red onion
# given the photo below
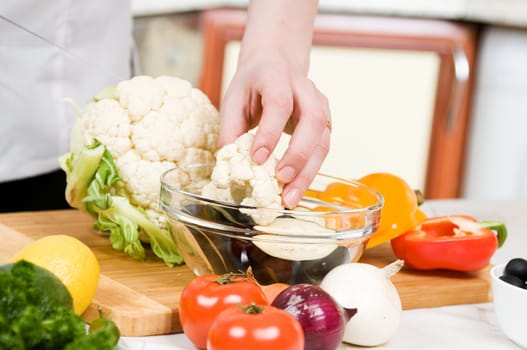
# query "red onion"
(322, 319)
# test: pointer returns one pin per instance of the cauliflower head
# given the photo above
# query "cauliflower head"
(149, 126)
(145, 126)
(236, 178)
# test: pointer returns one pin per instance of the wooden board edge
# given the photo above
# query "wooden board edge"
(12, 241)
(122, 305)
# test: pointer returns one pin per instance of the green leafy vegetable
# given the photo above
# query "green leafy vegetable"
(94, 185)
(36, 313)
(103, 333)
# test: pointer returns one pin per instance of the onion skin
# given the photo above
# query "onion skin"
(321, 318)
(370, 289)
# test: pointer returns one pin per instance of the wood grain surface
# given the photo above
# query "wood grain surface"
(142, 297)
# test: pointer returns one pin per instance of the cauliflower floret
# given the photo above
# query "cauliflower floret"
(238, 179)
(141, 95)
(162, 147)
(107, 122)
(141, 178)
(150, 125)
(210, 190)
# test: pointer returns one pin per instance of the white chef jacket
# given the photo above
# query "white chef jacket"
(84, 46)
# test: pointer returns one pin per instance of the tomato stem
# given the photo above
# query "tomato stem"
(252, 309)
(228, 278)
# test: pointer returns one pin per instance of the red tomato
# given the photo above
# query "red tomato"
(206, 296)
(256, 328)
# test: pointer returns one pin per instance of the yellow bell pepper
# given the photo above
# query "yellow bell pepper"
(400, 212)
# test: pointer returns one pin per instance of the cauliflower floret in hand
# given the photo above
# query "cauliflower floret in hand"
(236, 178)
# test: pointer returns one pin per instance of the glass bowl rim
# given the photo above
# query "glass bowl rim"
(338, 209)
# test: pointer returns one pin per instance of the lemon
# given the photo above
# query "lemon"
(72, 261)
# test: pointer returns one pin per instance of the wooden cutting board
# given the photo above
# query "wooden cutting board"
(419, 289)
(142, 297)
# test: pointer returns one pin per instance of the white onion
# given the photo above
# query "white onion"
(370, 290)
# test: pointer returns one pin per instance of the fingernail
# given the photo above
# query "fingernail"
(286, 174)
(291, 198)
(261, 155)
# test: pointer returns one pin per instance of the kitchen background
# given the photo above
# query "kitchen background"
(383, 99)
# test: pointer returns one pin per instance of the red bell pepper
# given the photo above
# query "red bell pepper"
(455, 242)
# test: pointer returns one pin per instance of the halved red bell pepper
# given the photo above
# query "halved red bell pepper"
(456, 242)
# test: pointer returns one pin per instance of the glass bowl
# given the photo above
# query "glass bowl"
(289, 246)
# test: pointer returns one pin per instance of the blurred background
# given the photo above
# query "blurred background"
(434, 91)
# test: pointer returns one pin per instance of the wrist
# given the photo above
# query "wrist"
(281, 29)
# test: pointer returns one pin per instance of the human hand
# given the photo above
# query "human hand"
(269, 92)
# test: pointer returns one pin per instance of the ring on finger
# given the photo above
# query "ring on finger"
(328, 124)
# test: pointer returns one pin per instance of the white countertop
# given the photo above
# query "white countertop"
(466, 327)
(502, 12)
(460, 327)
